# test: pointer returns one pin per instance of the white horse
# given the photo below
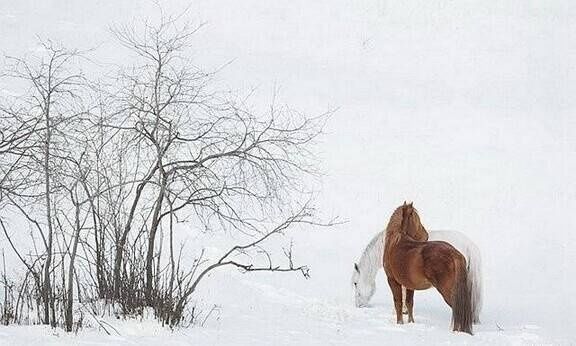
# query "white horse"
(364, 275)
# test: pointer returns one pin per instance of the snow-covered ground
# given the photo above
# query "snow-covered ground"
(252, 312)
(466, 108)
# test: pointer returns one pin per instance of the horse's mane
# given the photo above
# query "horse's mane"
(371, 259)
(395, 223)
(394, 228)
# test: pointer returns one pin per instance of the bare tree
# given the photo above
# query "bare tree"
(103, 172)
(50, 100)
(207, 152)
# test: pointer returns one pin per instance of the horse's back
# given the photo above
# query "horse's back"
(440, 260)
(418, 265)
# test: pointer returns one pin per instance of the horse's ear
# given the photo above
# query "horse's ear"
(356, 267)
(404, 204)
(411, 203)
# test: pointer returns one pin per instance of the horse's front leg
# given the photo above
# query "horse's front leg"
(404, 307)
(397, 294)
(410, 304)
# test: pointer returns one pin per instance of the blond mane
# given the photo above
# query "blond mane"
(394, 228)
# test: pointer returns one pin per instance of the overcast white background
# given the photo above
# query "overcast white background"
(467, 108)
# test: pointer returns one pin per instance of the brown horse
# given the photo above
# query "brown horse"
(417, 264)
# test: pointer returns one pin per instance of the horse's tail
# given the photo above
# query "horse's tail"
(462, 306)
(475, 275)
(467, 247)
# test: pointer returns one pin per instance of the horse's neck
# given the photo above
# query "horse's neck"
(372, 257)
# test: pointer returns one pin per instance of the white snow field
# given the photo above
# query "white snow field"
(466, 108)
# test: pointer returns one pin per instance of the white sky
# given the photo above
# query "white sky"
(465, 107)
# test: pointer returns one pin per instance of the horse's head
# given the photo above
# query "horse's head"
(363, 288)
(411, 225)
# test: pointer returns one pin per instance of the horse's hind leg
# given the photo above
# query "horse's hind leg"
(445, 289)
(444, 283)
(410, 304)
(397, 294)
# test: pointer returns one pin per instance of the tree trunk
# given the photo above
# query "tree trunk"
(47, 287)
(151, 240)
(69, 318)
(121, 242)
